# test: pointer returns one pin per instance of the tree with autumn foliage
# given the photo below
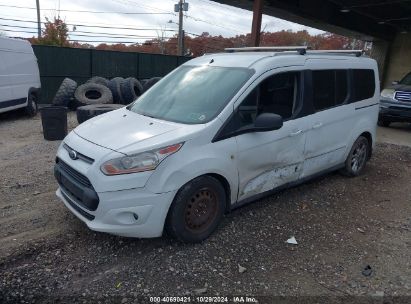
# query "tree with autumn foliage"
(55, 33)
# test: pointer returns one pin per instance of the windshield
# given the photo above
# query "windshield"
(192, 94)
(406, 80)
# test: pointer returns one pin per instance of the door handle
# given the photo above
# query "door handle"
(296, 133)
(318, 125)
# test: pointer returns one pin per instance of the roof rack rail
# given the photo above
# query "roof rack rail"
(357, 53)
(300, 49)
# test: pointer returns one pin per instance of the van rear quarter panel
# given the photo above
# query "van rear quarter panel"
(364, 112)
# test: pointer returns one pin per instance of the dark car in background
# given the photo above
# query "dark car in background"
(395, 102)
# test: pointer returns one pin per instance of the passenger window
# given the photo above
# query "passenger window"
(276, 94)
(364, 84)
(330, 88)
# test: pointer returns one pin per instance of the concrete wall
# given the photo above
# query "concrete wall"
(398, 62)
(379, 52)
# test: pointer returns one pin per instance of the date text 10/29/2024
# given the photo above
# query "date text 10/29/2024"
(204, 299)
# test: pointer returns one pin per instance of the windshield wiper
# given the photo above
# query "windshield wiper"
(145, 114)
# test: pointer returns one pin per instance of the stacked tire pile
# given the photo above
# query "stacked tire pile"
(99, 95)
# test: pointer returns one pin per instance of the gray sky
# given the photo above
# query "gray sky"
(202, 16)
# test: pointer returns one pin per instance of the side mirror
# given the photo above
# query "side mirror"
(268, 122)
(395, 82)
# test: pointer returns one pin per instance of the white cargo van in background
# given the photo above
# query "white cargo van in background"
(19, 76)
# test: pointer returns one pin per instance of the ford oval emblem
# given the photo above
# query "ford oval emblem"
(73, 154)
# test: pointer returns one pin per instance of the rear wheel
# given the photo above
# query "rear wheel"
(31, 108)
(196, 210)
(357, 158)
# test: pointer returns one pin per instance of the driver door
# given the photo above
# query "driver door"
(268, 160)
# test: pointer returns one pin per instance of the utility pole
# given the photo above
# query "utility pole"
(38, 19)
(180, 7)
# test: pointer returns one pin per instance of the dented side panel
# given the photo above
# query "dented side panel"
(267, 160)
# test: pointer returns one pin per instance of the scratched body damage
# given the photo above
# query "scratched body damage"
(271, 179)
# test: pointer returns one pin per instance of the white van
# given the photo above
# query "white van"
(19, 76)
(219, 131)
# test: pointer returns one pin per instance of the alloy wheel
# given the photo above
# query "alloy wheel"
(359, 157)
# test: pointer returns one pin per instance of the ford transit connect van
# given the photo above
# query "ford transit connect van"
(219, 131)
(19, 76)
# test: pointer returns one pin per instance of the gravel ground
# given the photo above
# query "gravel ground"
(341, 225)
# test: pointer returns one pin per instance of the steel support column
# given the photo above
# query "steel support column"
(256, 25)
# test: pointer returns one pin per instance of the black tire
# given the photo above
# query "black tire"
(130, 89)
(92, 93)
(86, 112)
(149, 83)
(384, 123)
(32, 105)
(143, 81)
(357, 158)
(114, 86)
(65, 93)
(98, 80)
(196, 211)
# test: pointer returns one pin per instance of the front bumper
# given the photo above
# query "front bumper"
(395, 111)
(131, 213)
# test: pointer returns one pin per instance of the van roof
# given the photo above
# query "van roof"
(16, 45)
(252, 58)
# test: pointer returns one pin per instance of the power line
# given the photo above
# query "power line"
(89, 32)
(81, 34)
(124, 42)
(73, 22)
(84, 11)
(134, 4)
(161, 12)
(208, 22)
(89, 36)
(111, 34)
(102, 41)
(215, 10)
(17, 31)
(95, 26)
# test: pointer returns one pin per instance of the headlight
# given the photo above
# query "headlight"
(388, 93)
(140, 162)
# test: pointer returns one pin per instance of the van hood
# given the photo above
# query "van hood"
(119, 129)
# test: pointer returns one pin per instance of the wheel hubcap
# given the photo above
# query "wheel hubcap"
(201, 210)
(358, 157)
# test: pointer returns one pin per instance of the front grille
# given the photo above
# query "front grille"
(76, 185)
(74, 173)
(403, 96)
(87, 215)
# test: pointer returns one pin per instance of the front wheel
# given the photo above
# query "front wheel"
(196, 210)
(31, 108)
(357, 158)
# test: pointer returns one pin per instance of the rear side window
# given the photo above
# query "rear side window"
(363, 83)
(330, 88)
